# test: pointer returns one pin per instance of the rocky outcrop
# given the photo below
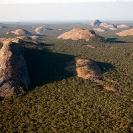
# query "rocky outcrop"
(126, 33)
(86, 69)
(107, 25)
(99, 29)
(113, 28)
(78, 33)
(20, 32)
(122, 26)
(95, 23)
(41, 29)
(103, 24)
(13, 71)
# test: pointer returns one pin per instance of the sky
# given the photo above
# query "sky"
(65, 10)
(54, 1)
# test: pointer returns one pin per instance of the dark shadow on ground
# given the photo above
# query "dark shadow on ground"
(105, 66)
(114, 40)
(46, 67)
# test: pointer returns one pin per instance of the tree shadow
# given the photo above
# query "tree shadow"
(114, 40)
(105, 66)
(46, 67)
(44, 44)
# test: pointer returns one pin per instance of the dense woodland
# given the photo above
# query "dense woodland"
(58, 102)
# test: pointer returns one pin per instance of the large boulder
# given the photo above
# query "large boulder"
(78, 33)
(13, 71)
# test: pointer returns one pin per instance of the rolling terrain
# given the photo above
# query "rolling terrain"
(58, 101)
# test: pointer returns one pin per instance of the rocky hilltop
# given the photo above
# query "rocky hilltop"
(95, 23)
(125, 33)
(86, 69)
(20, 32)
(122, 26)
(13, 71)
(78, 33)
(99, 29)
(39, 30)
(108, 25)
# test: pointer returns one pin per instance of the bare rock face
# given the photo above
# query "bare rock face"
(95, 23)
(78, 33)
(13, 71)
(20, 32)
(122, 26)
(86, 69)
(125, 33)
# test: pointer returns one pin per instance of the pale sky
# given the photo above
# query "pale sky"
(67, 10)
(53, 1)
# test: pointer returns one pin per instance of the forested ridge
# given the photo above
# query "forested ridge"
(58, 102)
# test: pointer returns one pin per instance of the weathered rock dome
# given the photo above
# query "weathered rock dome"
(95, 23)
(122, 26)
(78, 33)
(125, 33)
(20, 32)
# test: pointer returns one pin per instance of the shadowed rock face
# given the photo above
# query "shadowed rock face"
(95, 23)
(13, 71)
(78, 33)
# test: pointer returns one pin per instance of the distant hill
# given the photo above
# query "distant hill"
(3, 27)
(39, 30)
(108, 25)
(99, 29)
(126, 33)
(78, 33)
(122, 26)
(95, 23)
(20, 32)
